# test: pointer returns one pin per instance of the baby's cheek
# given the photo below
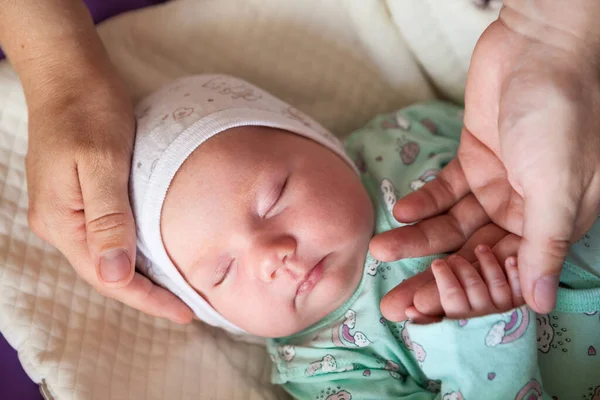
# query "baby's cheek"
(350, 207)
(257, 312)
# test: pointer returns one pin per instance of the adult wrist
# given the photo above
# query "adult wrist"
(54, 48)
(67, 68)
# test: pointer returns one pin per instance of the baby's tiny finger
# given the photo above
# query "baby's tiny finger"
(493, 275)
(473, 286)
(452, 296)
(512, 272)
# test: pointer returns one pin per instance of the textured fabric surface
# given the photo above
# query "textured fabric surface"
(443, 37)
(339, 61)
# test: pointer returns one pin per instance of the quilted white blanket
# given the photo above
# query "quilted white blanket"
(340, 61)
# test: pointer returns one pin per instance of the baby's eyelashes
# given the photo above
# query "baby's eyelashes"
(273, 199)
(222, 271)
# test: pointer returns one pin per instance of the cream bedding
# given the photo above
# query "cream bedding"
(340, 61)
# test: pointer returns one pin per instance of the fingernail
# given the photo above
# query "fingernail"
(483, 248)
(544, 292)
(511, 261)
(115, 265)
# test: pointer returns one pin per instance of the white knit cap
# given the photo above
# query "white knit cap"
(171, 124)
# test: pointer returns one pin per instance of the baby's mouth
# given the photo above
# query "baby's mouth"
(313, 277)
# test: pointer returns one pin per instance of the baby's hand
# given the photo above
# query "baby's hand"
(465, 290)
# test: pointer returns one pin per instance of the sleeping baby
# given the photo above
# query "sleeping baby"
(258, 218)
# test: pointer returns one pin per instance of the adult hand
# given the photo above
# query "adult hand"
(418, 298)
(529, 157)
(81, 130)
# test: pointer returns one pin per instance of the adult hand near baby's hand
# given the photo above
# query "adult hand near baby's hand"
(81, 130)
(529, 157)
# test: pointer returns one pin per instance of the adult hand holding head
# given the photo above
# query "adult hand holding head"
(81, 129)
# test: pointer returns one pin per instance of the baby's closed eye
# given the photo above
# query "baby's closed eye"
(222, 271)
(268, 207)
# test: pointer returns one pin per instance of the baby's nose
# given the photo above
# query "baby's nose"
(274, 255)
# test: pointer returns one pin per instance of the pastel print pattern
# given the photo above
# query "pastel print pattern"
(393, 368)
(182, 112)
(420, 353)
(234, 89)
(427, 176)
(361, 340)
(550, 335)
(389, 194)
(341, 395)
(545, 333)
(326, 364)
(372, 265)
(429, 125)
(531, 391)
(453, 396)
(593, 313)
(396, 121)
(409, 151)
(287, 352)
(342, 335)
(503, 332)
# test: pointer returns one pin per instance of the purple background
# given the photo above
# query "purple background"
(14, 383)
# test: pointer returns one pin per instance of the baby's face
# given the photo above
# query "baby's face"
(270, 228)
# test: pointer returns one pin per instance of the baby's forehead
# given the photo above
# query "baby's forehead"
(245, 147)
(234, 168)
(233, 164)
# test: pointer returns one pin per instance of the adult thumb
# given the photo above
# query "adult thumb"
(109, 224)
(549, 219)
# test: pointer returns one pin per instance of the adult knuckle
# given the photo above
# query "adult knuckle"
(107, 223)
(447, 187)
(557, 247)
(456, 226)
(432, 195)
